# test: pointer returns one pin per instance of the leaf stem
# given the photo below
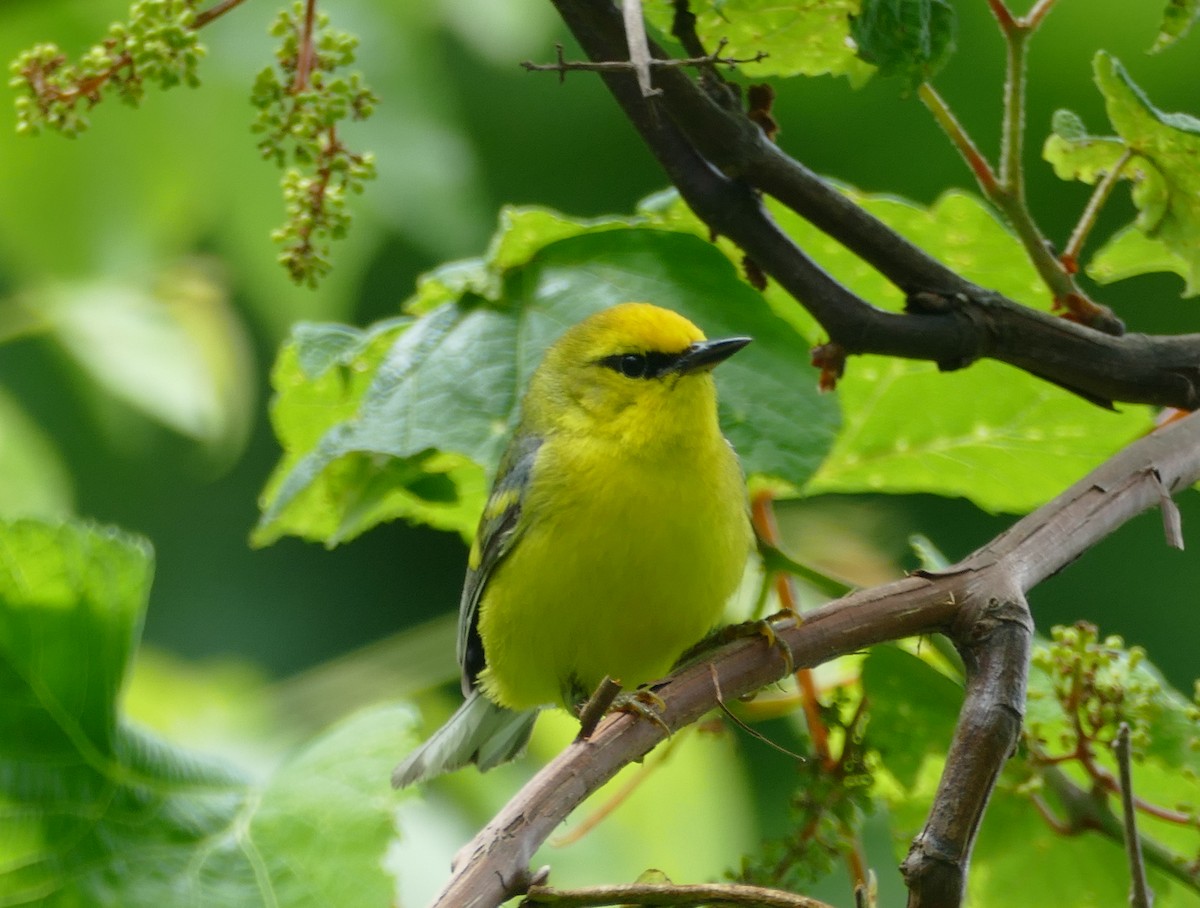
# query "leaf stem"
(1032, 19)
(1087, 220)
(954, 130)
(763, 516)
(1012, 174)
(1007, 190)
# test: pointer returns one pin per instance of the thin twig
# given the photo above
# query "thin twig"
(563, 66)
(1006, 190)
(1140, 895)
(748, 729)
(1087, 220)
(214, 12)
(639, 47)
(1031, 20)
(669, 894)
(1085, 811)
(1003, 15)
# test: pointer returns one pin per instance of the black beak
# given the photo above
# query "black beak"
(707, 354)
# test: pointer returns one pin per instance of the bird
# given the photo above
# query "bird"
(616, 529)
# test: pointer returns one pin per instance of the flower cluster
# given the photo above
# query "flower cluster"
(157, 45)
(301, 102)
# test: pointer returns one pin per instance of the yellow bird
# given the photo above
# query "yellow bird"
(616, 530)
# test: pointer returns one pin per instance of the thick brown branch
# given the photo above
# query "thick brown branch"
(718, 159)
(978, 602)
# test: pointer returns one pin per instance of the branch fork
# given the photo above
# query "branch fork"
(979, 603)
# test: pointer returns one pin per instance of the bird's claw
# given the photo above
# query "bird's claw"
(645, 703)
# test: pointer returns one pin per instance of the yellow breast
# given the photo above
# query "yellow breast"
(625, 561)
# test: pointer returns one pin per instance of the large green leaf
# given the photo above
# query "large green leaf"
(989, 433)
(1164, 148)
(801, 37)
(913, 709)
(98, 812)
(444, 396)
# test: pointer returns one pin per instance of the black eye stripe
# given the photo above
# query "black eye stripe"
(641, 365)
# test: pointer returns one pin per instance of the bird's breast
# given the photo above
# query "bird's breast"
(623, 562)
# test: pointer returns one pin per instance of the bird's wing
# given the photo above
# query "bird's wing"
(499, 529)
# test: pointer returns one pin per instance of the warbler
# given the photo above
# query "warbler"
(616, 529)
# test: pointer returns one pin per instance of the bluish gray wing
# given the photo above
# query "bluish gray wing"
(499, 529)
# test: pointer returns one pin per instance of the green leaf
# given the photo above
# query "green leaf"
(442, 401)
(97, 811)
(36, 483)
(1164, 149)
(801, 37)
(913, 710)
(1178, 18)
(175, 352)
(1077, 155)
(910, 38)
(1085, 869)
(1129, 253)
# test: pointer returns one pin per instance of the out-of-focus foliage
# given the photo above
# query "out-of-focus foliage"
(1178, 18)
(92, 795)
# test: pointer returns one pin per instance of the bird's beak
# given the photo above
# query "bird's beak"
(705, 355)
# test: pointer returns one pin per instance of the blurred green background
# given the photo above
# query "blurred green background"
(140, 302)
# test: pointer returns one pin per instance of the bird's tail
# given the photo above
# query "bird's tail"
(479, 732)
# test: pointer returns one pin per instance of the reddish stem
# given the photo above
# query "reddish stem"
(214, 12)
(306, 53)
(763, 517)
(1003, 15)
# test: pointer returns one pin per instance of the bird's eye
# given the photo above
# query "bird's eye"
(632, 365)
(639, 365)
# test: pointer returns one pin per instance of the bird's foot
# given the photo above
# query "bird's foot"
(642, 702)
(609, 697)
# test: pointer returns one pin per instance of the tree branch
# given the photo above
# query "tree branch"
(719, 159)
(669, 896)
(978, 602)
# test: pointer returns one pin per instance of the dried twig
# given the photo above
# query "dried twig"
(1140, 895)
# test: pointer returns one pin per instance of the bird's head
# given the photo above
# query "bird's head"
(634, 372)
